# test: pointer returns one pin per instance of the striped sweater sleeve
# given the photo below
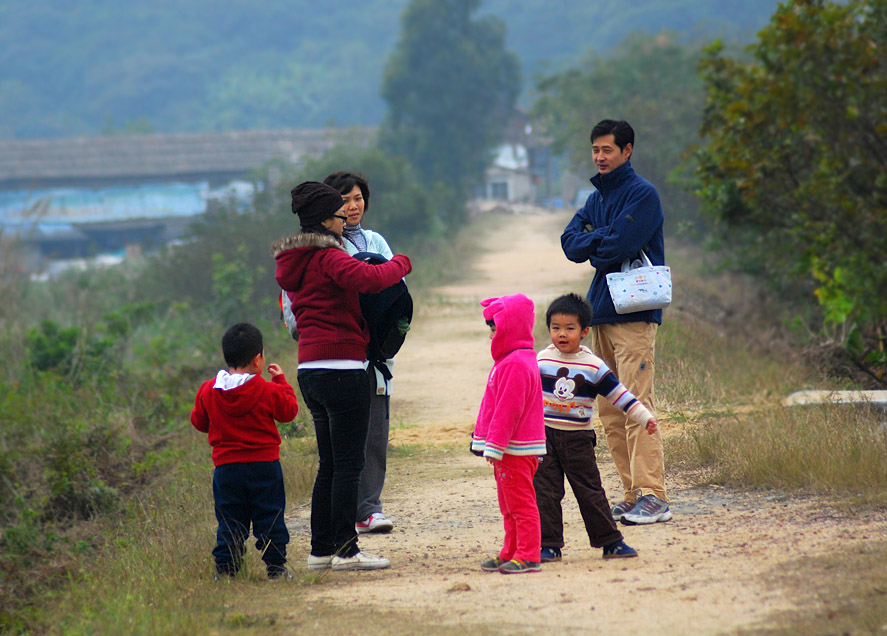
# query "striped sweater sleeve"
(623, 399)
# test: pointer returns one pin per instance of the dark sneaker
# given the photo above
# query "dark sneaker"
(550, 554)
(491, 565)
(619, 550)
(620, 509)
(279, 573)
(649, 509)
(519, 566)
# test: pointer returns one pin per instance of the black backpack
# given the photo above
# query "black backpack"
(388, 315)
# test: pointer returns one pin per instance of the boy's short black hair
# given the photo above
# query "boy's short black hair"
(570, 305)
(240, 344)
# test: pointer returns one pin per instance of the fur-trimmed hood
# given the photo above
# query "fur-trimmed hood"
(324, 285)
(305, 239)
(295, 254)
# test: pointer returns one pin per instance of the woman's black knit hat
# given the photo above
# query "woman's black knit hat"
(315, 202)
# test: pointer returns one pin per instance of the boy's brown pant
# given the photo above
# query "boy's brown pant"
(628, 349)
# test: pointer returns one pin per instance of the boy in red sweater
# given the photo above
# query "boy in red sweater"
(238, 410)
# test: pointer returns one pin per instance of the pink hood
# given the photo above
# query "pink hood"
(514, 317)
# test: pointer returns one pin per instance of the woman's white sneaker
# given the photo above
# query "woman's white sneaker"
(319, 562)
(360, 561)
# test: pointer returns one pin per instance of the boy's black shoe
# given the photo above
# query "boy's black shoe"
(619, 550)
(279, 573)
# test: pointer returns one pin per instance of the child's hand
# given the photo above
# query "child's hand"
(652, 426)
(491, 460)
(274, 370)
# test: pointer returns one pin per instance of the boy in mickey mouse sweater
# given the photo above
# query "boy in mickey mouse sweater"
(572, 378)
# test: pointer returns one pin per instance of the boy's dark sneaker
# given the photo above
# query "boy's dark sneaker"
(491, 565)
(619, 550)
(519, 566)
(649, 509)
(279, 573)
(550, 554)
(225, 572)
(620, 509)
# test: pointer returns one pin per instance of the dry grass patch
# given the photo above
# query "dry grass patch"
(827, 449)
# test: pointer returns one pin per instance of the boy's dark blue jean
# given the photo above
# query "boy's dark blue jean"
(244, 494)
(339, 401)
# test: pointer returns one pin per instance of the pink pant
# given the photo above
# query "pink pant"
(517, 503)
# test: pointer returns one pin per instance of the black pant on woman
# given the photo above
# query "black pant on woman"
(339, 401)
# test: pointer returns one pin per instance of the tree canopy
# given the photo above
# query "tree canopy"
(450, 87)
(652, 83)
(196, 65)
(795, 171)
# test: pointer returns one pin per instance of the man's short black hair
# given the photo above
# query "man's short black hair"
(623, 133)
(570, 305)
(344, 182)
(240, 344)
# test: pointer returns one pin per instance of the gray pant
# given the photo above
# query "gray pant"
(372, 478)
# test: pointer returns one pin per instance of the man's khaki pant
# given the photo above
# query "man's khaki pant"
(628, 349)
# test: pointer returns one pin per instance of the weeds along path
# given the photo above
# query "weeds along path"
(723, 564)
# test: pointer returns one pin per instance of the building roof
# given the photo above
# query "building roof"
(140, 158)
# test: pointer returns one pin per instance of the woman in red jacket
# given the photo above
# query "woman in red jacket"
(325, 282)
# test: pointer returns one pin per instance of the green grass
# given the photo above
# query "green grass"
(153, 573)
(141, 563)
(144, 566)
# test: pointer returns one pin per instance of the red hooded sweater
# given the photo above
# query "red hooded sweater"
(241, 421)
(325, 281)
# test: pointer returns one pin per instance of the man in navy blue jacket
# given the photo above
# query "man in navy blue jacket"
(621, 218)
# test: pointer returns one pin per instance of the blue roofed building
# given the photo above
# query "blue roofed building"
(77, 198)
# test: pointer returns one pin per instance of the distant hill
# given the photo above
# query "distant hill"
(197, 65)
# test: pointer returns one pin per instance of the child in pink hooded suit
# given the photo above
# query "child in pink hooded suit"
(510, 430)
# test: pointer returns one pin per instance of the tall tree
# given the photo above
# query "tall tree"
(450, 87)
(796, 169)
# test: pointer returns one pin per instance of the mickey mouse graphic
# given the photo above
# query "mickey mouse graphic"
(565, 387)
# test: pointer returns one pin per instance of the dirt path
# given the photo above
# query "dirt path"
(709, 571)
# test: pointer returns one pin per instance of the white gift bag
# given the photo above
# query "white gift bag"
(640, 286)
